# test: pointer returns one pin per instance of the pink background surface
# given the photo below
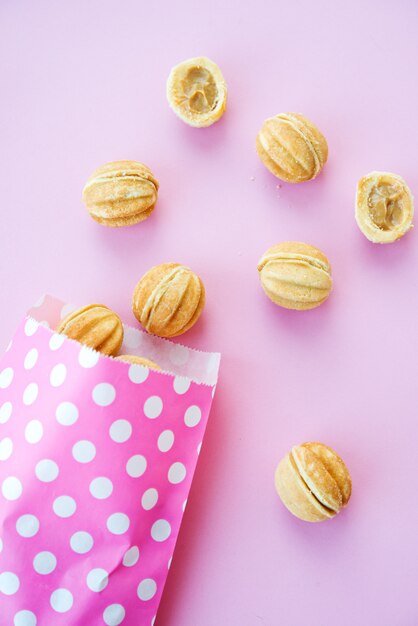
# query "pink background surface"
(84, 83)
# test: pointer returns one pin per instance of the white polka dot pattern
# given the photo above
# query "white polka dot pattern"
(181, 385)
(5, 412)
(113, 615)
(9, 583)
(160, 530)
(46, 470)
(58, 375)
(56, 341)
(176, 473)
(149, 499)
(84, 451)
(6, 448)
(120, 431)
(6, 377)
(192, 416)
(27, 525)
(67, 413)
(106, 454)
(118, 523)
(88, 357)
(81, 542)
(61, 600)
(64, 506)
(101, 488)
(30, 359)
(136, 465)
(34, 431)
(31, 326)
(165, 440)
(30, 394)
(25, 618)
(104, 394)
(138, 373)
(147, 589)
(131, 556)
(97, 579)
(153, 407)
(44, 563)
(11, 488)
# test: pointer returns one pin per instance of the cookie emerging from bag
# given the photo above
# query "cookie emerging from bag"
(138, 360)
(95, 326)
(196, 91)
(313, 482)
(168, 300)
(121, 193)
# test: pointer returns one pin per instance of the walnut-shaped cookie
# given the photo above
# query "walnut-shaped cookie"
(121, 193)
(168, 300)
(292, 147)
(295, 275)
(95, 326)
(313, 482)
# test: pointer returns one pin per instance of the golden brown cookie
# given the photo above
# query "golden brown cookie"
(292, 147)
(138, 360)
(313, 482)
(121, 193)
(196, 91)
(295, 275)
(95, 326)
(384, 207)
(168, 300)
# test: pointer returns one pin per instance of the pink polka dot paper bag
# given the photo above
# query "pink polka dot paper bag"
(96, 462)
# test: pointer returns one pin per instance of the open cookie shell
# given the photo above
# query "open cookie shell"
(384, 207)
(196, 91)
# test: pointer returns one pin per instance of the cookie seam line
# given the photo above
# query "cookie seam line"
(296, 466)
(136, 177)
(293, 258)
(156, 295)
(309, 143)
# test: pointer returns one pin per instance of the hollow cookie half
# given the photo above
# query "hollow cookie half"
(196, 91)
(384, 207)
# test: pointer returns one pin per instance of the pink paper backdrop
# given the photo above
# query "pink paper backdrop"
(83, 83)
